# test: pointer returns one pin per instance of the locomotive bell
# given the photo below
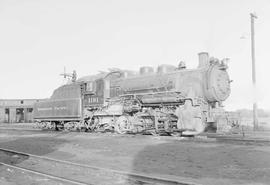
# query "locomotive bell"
(203, 59)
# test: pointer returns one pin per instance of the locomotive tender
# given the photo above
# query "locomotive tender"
(171, 100)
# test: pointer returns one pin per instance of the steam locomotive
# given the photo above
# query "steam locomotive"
(171, 100)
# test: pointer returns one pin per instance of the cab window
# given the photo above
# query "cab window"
(90, 86)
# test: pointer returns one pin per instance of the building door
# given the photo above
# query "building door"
(28, 115)
(19, 115)
(6, 116)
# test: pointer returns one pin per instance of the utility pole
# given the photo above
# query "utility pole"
(255, 114)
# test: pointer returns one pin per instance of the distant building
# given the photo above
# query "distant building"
(17, 110)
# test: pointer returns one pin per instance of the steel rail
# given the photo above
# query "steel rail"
(135, 176)
(45, 174)
(21, 129)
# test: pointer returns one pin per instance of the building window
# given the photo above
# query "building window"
(29, 110)
(21, 101)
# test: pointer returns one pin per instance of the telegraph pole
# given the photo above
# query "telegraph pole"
(255, 114)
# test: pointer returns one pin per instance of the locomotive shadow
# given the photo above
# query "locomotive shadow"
(167, 159)
(177, 161)
(192, 161)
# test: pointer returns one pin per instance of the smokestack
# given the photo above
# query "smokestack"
(203, 59)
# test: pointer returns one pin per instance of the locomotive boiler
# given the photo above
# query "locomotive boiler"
(170, 100)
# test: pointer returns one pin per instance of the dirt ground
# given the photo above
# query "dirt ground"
(202, 161)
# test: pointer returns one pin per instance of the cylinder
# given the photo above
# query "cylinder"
(203, 59)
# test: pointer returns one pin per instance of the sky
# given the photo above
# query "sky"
(39, 38)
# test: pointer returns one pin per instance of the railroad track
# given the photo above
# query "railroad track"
(53, 177)
(208, 136)
(80, 174)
